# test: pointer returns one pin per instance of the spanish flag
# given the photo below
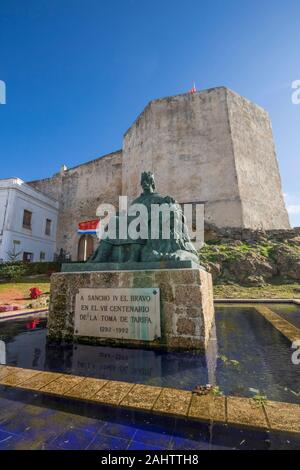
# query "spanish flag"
(193, 90)
(88, 227)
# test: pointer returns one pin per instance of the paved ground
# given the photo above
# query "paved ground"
(26, 422)
(30, 421)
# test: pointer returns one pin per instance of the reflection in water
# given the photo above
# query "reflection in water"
(245, 352)
(2, 352)
(134, 365)
(32, 324)
(211, 355)
(116, 363)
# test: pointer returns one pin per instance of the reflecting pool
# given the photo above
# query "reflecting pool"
(289, 312)
(246, 356)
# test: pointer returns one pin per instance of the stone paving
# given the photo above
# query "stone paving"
(32, 420)
(165, 401)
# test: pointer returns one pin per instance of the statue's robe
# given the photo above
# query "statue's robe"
(177, 247)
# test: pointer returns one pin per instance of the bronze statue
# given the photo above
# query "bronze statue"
(148, 248)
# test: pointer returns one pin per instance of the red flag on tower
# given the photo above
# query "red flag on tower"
(193, 90)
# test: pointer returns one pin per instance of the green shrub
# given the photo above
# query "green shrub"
(13, 272)
(21, 269)
(42, 267)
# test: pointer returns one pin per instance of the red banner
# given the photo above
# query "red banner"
(88, 225)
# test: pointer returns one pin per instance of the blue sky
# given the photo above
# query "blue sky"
(78, 72)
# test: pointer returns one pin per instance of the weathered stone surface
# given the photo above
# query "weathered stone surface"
(185, 326)
(283, 416)
(142, 396)
(167, 292)
(141, 279)
(251, 265)
(79, 191)
(186, 318)
(288, 261)
(208, 407)
(213, 146)
(225, 234)
(173, 401)
(245, 412)
(187, 296)
(162, 276)
(218, 136)
(113, 392)
(168, 318)
(62, 385)
(256, 165)
(215, 270)
(40, 380)
(86, 389)
(188, 277)
(5, 370)
(188, 312)
(255, 261)
(241, 411)
(18, 377)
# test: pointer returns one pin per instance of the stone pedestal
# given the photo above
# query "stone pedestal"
(186, 305)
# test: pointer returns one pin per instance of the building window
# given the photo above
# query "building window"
(42, 256)
(48, 227)
(27, 215)
(27, 257)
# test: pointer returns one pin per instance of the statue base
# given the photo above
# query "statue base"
(83, 306)
(129, 266)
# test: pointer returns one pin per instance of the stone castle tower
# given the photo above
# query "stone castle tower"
(213, 147)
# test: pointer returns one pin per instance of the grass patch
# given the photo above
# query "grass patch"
(269, 291)
(217, 251)
(17, 292)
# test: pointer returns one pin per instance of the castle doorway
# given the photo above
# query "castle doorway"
(85, 247)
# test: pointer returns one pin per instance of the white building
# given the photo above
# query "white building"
(28, 222)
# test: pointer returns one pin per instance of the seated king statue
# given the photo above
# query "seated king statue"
(167, 241)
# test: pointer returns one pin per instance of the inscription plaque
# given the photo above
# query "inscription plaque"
(126, 313)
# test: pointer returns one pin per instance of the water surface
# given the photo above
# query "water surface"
(246, 356)
(290, 312)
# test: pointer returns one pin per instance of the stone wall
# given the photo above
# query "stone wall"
(186, 305)
(213, 147)
(79, 191)
(185, 140)
(256, 165)
(214, 233)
